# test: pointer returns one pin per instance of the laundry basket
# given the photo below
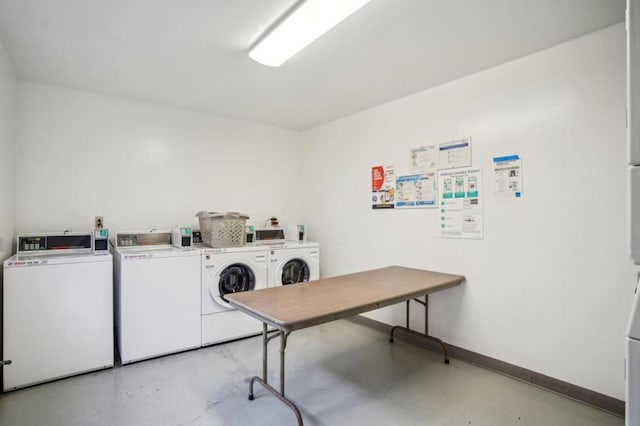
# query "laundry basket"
(222, 229)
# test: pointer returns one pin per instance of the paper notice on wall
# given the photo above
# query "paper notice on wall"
(460, 202)
(383, 187)
(425, 158)
(508, 176)
(416, 191)
(454, 154)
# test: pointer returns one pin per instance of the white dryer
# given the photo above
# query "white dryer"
(225, 271)
(157, 289)
(293, 262)
(58, 309)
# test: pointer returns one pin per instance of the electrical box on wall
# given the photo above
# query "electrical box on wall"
(98, 222)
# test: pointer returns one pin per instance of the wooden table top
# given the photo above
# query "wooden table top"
(302, 305)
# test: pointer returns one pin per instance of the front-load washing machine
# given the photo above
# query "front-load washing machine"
(157, 288)
(225, 271)
(58, 308)
(293, 262)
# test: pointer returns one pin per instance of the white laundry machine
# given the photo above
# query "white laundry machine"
(225, 271)
(157, 295)
(632, 363)
(293, 262)
(58, 308)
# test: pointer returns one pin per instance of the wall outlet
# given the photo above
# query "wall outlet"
(99, 222)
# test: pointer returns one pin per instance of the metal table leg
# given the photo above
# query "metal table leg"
(263, 380)
(426, 335)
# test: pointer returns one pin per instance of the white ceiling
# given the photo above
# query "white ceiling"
(193, 53)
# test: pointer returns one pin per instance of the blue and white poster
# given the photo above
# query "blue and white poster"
(416, 191)
(455, 154)
(508, 175)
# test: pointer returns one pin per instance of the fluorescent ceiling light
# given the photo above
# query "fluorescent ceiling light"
(308, 22)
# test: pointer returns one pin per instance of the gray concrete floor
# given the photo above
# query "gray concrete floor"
(338, 374)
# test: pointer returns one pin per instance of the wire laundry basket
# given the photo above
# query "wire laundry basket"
(222, 229)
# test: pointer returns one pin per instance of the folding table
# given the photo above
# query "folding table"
(294, 307)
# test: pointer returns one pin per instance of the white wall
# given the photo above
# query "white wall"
(550, 286)
(7, 153)
(143, 165)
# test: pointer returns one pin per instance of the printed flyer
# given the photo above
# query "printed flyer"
(383, 187)
(460, 203)
(455, 154)
(416, 191)
(508, 175)
(424, 158)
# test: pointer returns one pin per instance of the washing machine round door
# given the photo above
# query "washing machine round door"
(295, 271)
(234, 279)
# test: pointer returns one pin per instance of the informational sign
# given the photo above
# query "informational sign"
(460, 203)
(383, 187)
(508, 175)
(424, 158)
(416, 191)
(454, 154)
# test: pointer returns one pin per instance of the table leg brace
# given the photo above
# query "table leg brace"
(426, 327)
(263, 381)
